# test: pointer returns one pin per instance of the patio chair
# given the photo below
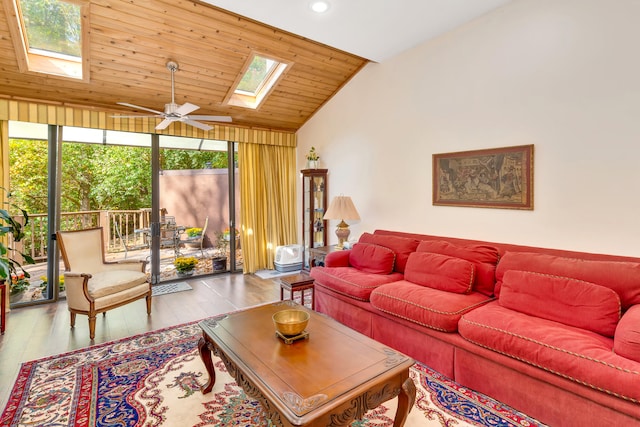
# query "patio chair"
(198, 240)
(93, 285)
(122, 239)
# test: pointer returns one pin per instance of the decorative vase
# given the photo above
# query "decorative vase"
(184, 273)
(219, 263)
(312, 164)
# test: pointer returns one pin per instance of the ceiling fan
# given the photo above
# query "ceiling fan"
(174, 112)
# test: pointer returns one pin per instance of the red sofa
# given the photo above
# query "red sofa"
(553, 333)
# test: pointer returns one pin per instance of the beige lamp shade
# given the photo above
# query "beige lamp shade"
(342, 208)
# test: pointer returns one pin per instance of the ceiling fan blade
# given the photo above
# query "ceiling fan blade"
(196, 124)
(185, 109)
(137, 107)
(165, 123)
(211, 118)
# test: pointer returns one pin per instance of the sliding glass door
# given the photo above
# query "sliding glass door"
(197, 207)
(151, 194)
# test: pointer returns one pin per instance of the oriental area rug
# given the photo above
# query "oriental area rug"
(154, 379)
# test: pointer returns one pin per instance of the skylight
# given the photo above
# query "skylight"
(256, 76)
(256, 82)
(48, 35)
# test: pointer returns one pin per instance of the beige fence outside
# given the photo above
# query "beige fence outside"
(121, 230)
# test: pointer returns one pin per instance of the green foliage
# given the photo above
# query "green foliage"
(18, 284)
(193, 232)
(184, 264)
(254, 75)
(53, 25)
(190, 159)
(9, 226)
(28, 160)
(44, 283)
(96, 177)
(125, 178)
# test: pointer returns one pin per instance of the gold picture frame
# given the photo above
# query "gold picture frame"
(490, 178)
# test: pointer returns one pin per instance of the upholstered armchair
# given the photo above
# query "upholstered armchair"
(93, 285)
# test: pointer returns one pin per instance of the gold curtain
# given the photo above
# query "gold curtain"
(4, 157)
(267, 202)
(4, 175)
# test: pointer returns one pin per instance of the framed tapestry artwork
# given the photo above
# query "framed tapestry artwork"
(492, 178)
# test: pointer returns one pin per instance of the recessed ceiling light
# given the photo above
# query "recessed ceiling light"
(319, 6)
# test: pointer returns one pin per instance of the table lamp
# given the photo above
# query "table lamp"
(342, 208)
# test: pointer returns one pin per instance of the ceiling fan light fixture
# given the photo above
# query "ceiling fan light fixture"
(319, 6)
(177, 113)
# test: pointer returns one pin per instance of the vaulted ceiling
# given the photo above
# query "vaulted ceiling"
(131, 42)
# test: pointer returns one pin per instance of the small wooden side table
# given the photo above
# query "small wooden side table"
(3, 303)
(297, 283)
(317, 255)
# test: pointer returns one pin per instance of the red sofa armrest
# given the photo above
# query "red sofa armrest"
(337, 259)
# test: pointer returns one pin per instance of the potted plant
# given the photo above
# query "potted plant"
(44, 283)
(227, 234)
(193, 237)
(193, 232)
(185, 265)
(11, 268)
(220, 258)
(312, 158)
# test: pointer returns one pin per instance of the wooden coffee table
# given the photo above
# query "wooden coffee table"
(331, 378)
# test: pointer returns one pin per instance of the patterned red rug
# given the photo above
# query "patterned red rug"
(154, 380)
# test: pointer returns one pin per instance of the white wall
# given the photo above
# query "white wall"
(563, 75)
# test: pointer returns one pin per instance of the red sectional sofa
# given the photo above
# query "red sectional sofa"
(555, 334)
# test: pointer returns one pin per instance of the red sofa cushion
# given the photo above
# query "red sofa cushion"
(573, 353)
(442, 272)
(350, 281)
(621, 276)
(572, 302)
(483, 257)
(626, 341)
(372, 258)
(337, 258)
(425, 306)
(402, 246)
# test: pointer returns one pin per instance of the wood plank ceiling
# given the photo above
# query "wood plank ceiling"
(132, 40)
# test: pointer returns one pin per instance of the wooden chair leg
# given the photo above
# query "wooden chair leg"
(149, 304)
(92, 327)
(73, 319)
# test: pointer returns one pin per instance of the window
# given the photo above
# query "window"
(260, 74)
(50, 36)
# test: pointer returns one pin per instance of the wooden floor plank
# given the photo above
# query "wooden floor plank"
(39, 331)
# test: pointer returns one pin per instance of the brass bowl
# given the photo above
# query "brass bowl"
(291, 322)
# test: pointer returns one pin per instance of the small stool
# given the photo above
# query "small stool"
(297, 283)
(3, 302)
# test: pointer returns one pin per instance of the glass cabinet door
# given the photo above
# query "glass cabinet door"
(314, 204)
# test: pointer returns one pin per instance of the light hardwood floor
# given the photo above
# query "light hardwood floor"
(40, 331)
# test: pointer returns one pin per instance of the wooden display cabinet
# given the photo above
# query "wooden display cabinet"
(314, 205)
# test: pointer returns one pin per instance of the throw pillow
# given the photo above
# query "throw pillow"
(440, 272)
(401, 246)
(372, 258)
(561, 299)
(621, 276)
(483, 257)
(626, 341)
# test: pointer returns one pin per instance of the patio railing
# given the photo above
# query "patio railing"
(119, 230)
